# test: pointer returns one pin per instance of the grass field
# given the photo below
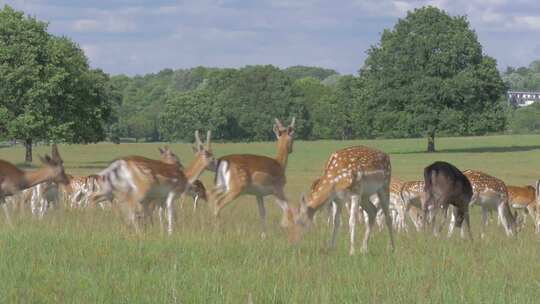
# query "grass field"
(93, 257)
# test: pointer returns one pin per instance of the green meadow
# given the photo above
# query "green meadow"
(92, 256)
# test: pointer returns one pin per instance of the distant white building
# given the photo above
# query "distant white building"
(522, 98)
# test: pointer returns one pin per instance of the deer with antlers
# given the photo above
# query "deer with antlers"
(351, 174)
(144, 183)
(490, 193)
(13, 180)
(256, 175)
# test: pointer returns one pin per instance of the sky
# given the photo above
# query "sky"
(145, 36)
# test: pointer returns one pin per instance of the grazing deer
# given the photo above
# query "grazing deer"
(490, 193)
(351, 174)
(13, 180)
(414, 198)
(144, 182)
(197, 192)
(256, 175)
(524, 200)
(445, 185)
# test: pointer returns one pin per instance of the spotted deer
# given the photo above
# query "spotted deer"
(257, 175)
(414, 198)
(523, 199)
(445, 185)
(144, 183)
(14, 180)
(351, 174)
(490, 193)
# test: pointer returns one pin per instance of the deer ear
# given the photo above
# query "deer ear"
(161, 151)
(56, 155)
(195, 150)
(290, 131)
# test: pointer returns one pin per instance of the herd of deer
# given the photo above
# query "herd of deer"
(358, 178)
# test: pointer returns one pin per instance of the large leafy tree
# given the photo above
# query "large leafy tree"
(47, 90)
(428, 74)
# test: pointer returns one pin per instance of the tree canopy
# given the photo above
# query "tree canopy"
(428, 75)
(47, 90)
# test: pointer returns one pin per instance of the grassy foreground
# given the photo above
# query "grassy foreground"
(93, 257)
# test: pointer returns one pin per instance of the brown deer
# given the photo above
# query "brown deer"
(351, 174)
(144, 183)
(446, 185)
(490, 193)
(523, 199)
(13, 180)
(197, 192)
(256, 175)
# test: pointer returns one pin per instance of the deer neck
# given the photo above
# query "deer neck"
(194, 170)
(36, 177)
(318, 198)
(282, 152)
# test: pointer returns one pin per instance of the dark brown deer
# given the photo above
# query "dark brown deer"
(446, 185)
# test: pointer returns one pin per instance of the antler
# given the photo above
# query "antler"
(208, 136)
(198, 142)
(55, 154)
(278, 123)
(292, 122)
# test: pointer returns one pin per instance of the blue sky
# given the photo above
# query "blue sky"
(137, 37)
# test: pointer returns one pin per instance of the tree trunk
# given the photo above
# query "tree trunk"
(431, 142)
(28, 154)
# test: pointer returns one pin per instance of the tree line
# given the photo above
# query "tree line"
(427, 76)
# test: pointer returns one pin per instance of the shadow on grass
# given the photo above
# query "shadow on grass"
(480, 150)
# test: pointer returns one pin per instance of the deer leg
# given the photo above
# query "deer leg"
(224, 200)
(336, 221)
(506, 218)
(384, 199)
(452, 225)
(281, 200)
(160, 217)
(485, 220)
(169, 203)
(467, 226)
(262, 215)
(371, 210)
(352, 222)
(6, 212)
(195, 200)
(438, 229)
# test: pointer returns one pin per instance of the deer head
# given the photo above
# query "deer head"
(204, 158)
(167, 156)
(55, 165)
(285, 135)
(299, 221)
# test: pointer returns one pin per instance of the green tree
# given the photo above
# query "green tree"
(525, 120)
(186, 112)
(300, 71)
(252, 97)
(47, 90)
(430, 67)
